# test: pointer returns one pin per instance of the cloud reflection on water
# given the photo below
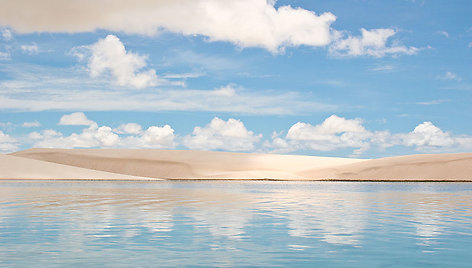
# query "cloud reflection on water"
(327, 212)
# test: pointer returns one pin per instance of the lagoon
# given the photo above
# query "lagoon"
(234, 223)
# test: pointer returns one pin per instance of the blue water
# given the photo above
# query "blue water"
(224, 223)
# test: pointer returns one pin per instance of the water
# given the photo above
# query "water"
(223, 223)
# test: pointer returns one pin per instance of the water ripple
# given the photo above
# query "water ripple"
(234, 223)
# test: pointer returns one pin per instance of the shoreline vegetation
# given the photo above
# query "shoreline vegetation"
(153, 164)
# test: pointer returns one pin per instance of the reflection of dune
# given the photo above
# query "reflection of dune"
(155, 220)
(428, 218)
(228, 215)
(336, 218)
(428, 226)
(96, 209)
(424, 210)
(175, 164)
(223, 222)
(336, 227)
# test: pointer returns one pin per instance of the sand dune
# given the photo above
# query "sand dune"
(179, 164)
(426, 167)
(12, 167)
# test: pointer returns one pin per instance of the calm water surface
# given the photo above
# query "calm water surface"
(224, 223)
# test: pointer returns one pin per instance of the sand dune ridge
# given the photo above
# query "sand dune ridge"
(181, 164)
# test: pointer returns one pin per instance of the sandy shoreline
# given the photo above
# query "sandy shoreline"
(136, 164)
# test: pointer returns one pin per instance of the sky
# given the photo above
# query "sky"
(347, 78)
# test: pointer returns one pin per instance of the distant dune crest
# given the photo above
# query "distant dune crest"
(122, 164)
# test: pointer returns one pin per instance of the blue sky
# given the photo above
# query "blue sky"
(353, 78)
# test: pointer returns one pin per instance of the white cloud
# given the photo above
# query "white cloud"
(129, 128)
(278, 144)
(246, 23)
(153, 137)
(450, 76)
(338, 133)
(373, 43)
(31, 124)
(72, 90)
(104, 136)
(229, 135)
(6, 34)
(7, 143)
(428, 137)
(93, 136)
(225, 91)
(334, 133)
(36, 135)
(110, 56)
(75, 119)
(30, 49)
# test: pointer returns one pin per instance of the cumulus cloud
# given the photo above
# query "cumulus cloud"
(95, 136)
(225, 91)
(246, 23)
(104, 137)
(109, 56)
(373, 43)
(129, 128)
(338, 133)
(278, 144)
(7, 143)
(75, 119)
(30, 49)
(219, 134)
(428, 137)
(153, 137)
(333, 133)
(31, 124)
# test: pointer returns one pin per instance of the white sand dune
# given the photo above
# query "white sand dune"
(180, 164)
(423, 167)
(13, 167)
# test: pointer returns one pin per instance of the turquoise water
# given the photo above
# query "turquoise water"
(223, 223)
